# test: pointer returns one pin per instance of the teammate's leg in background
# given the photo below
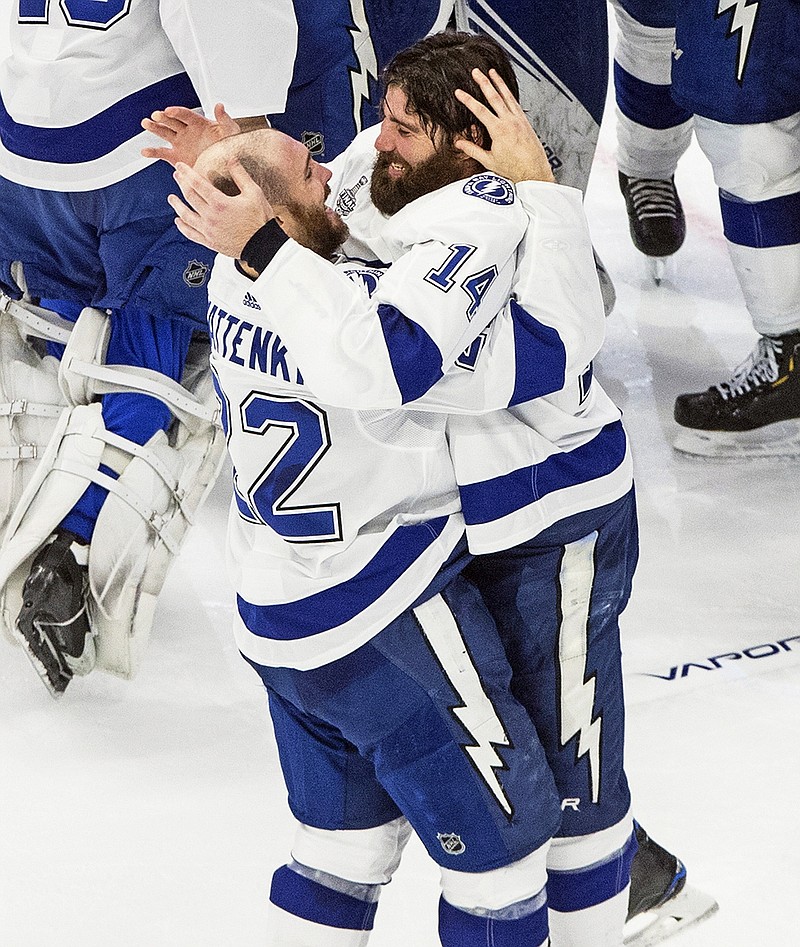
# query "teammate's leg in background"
(757, 168)
(739, 71)
(652, 131)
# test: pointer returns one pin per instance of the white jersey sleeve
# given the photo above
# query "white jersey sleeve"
(542, 341)
(242, 56)
(81, 76)
(455, 255)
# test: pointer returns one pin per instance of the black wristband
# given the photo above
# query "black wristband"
(263, 245)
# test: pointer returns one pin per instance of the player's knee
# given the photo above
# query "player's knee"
(362, 856)
(487, 892)
(753, 162)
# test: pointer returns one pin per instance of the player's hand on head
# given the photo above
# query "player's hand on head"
(516, 152)
(216, 220)
(187, 133)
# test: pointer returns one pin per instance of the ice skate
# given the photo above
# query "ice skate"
(655, 218)
(754, 414)
(53, 623)
(660, 903)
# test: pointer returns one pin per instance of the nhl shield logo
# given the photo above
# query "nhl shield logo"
(314, 141)
(195, 273)
(451, 843)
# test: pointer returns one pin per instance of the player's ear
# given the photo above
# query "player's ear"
(475, 133)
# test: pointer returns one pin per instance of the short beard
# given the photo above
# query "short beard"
(390, 195)
(317, 231)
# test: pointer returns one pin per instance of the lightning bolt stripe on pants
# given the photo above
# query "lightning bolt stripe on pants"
(476, 712)
(577, 691)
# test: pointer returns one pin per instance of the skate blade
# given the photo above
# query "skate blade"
(657, 266)
(46, 663)
(687, 908)
(775, 440)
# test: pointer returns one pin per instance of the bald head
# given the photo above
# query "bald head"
(293, 183)
(266, 154)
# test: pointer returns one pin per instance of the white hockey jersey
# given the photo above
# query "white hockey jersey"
(82, 74)
(560, 448)
(340, 519)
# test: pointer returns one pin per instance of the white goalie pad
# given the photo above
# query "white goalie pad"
(140, 529)
(30, 401)
(68, 463)
(151, 503)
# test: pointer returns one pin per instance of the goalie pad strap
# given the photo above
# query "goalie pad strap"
(20, 406)
(39, 322)
(110, 379)
(156, 521)
(19, 452)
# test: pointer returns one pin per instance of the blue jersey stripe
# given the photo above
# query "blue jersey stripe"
(416, 359)
(489, 500)
(645, 103)
(541, 359)
(772, 223)
(100, 134)
(335, 606)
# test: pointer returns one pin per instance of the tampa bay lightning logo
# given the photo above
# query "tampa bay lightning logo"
(369, 276)
(489, 187)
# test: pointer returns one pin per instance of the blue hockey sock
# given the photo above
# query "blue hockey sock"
(458, 928)
(308, 899)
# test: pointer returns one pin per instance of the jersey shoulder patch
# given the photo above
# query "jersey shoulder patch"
(491, 188)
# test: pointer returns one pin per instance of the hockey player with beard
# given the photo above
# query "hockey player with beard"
(84, 223)
(415, 371)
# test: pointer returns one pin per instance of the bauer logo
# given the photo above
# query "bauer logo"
(489, 187)
(195, 273)
(451, 843)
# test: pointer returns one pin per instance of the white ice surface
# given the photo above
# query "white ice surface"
(151, 813)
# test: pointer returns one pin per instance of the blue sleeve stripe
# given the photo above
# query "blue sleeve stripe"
(772, 223)
(312, 901)
(645, 103)
(490, 500)
(100, 134)
(540, 356)
(584, 888)
(333, 607)
(415, 357)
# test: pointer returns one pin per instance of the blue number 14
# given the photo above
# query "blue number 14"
(92, 14)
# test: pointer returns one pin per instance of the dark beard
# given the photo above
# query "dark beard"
(390, 195)
(317, 231)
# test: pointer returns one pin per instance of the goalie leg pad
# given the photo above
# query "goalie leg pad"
(30, 406)
(69, 462)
